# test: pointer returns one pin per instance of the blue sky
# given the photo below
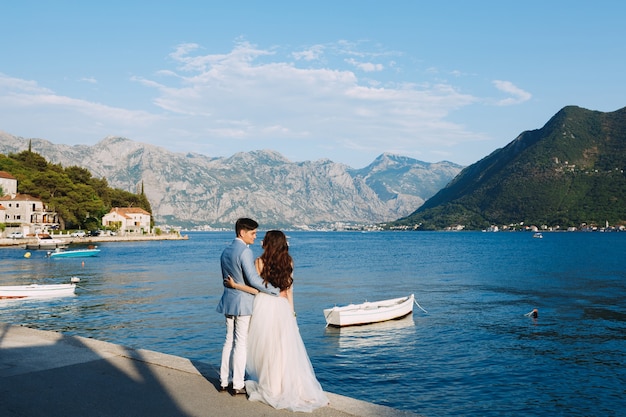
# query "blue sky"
(344, 80)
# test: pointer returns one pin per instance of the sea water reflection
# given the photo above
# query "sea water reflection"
(372, 336)
(473, 354)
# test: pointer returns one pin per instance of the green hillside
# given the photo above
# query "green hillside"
(567, 173)
(78, 198)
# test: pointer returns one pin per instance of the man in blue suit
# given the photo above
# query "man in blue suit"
(238, 262)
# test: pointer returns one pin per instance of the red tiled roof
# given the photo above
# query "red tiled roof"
(19, 197)
(4, 174)
(125, 211)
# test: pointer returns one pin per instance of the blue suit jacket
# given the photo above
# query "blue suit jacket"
(238, 261)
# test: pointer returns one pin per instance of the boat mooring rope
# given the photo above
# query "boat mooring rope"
(417, 304)
(329, 313)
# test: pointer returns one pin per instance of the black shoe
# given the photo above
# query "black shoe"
(239, 391)
(225, 389)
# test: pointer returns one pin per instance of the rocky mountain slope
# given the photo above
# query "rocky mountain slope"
(569, 172)
(194, 189)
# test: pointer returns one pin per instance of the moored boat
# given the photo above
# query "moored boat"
(369, 312)
(47, 242)
(36, 291)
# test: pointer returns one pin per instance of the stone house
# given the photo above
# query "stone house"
(28, 213)
(8, 183)
(23, 212)
(127, 220)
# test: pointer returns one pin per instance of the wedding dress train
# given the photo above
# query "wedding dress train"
(279, 369)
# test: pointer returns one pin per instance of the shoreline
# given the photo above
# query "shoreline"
(9, 242)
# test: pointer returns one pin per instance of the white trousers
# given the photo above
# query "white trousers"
(234, 352)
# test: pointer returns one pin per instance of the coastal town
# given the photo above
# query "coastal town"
(27, 220)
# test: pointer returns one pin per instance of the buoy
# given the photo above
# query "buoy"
(27, 255)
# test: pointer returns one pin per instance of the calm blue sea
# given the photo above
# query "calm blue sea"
(474, 353)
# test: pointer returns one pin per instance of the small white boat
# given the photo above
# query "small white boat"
(47, 242)
(58, 253)
(369, 312)
(538, 235)
(36, 291)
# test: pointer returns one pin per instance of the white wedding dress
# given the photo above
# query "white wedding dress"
(278, 365)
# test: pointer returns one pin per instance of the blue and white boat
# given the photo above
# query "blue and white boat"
(78, 253)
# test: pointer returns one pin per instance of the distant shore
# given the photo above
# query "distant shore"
(8, 242)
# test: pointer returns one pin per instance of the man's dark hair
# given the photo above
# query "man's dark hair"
(245, 223)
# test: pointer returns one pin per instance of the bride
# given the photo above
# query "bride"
(278, 365)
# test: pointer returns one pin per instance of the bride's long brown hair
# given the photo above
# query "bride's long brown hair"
(277, 263)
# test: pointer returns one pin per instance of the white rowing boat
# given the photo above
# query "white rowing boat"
(369, 312)
(36, 291)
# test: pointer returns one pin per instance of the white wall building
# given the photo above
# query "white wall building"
(8, 183)
(127, 220)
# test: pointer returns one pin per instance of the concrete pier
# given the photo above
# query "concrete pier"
(46, 374)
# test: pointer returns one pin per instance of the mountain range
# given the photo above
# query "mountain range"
(191, 190)
(569, 173)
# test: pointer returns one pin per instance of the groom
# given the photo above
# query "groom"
(238, 261)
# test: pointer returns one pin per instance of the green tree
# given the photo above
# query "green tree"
(79, 199)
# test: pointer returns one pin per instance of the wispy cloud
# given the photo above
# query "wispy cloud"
(218, 91)
(10, 84)
(312, 53)
(306, 104)
(28, 100)
(365, 66)
(518, 95)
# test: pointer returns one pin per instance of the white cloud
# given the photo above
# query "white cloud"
(9, 84)
(218, 91)
(313, 53)
(252, 98)
(27, 104)
(365, 66)
(519, 95)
